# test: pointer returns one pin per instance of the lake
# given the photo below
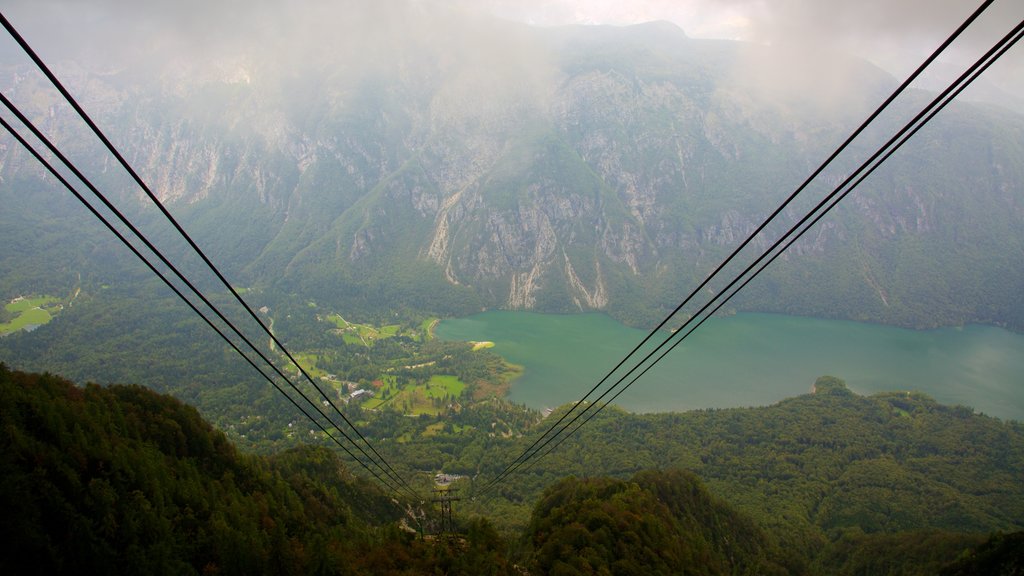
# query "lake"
(753, 360)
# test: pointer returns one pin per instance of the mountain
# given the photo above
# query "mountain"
(557, 169)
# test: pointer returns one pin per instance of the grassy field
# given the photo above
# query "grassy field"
(427, 327)
(30, 311)
(439, 427)
(441, 386)
(417, 399)
(365, 334)
(309, 364)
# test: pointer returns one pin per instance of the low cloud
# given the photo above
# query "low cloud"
(338, 42)
(896, 36)
(808, 37)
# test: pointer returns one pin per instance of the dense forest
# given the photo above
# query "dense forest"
(119, 479)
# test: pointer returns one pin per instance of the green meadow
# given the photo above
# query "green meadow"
(308, 362)
(366, 334)
(30, 312)
(431, 397)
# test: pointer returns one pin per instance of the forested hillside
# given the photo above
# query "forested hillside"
(657, 523)
(668, 523)
(817, 466)
(119, 479)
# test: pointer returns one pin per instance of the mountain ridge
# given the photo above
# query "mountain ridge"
(612, 176)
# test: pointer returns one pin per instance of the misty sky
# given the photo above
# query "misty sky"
(894, 34)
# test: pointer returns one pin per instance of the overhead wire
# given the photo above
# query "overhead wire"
(181, 231)
(937, 105)
(386, 467)
(531, 451)
(124, 240)
(871, 118)
(619, 365)
(948, 95)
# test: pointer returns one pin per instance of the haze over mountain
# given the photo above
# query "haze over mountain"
(362, 170)
(416, 156)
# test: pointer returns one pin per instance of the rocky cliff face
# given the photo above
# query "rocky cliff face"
(612, 176)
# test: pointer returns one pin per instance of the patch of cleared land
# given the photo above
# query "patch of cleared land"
(309, 364)
(432, 397)
(442, 427)
(427, 327)
(30, 312)
(366, 334)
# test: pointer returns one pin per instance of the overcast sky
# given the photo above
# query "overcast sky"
(894, 34)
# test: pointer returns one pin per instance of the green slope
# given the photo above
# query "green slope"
(120, 480)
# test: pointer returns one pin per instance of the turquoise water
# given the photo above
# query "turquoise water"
(753, 360)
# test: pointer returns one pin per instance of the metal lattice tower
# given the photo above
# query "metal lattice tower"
(445, 498)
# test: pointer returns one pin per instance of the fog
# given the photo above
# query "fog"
(813, 36)
(268, 34)
(484, 51)
(893, 35)
(469, 63)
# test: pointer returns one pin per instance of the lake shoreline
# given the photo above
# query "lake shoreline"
(753, 359)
